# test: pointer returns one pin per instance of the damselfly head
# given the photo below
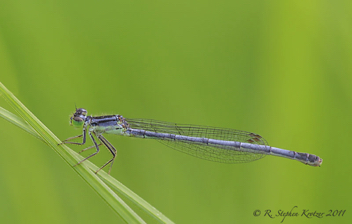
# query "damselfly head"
(78, 118)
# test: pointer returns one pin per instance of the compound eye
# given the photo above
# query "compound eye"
(78, 119)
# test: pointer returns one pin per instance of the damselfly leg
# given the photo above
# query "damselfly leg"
(112, 151)
(103, 140)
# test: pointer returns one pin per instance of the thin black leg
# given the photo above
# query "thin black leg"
(75, 143)
(112, 151)
(96, 146)
(90, 147)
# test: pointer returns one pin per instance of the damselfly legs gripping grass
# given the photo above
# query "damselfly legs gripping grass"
(215, 144)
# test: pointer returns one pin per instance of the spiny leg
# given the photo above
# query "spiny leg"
(114, 154)
(75, 143)
(66, 140)
(90, 147)
(112, 151)
(96, 146)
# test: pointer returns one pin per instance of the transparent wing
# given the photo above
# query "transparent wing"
(224, 154)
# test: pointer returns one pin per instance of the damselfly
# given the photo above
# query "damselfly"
(210, 143)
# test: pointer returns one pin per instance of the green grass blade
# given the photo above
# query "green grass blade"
(133, 197)
(116, 203)
(116, 185)
(122, 189)
(7, 115)
(119, 187)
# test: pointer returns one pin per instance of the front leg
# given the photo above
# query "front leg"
(76, 143)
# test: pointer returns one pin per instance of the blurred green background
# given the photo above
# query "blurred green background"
(281, 69)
